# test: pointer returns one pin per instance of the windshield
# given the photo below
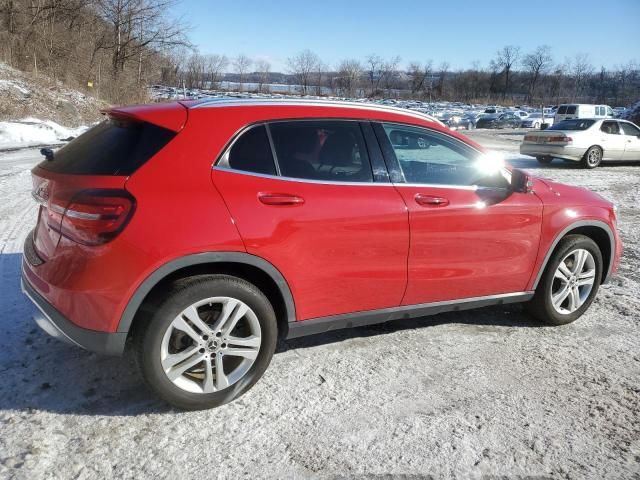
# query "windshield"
(577, 124)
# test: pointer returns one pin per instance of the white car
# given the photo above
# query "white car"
(585, 140)
(535, 120)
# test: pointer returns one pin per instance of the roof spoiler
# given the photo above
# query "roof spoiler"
(172, 116)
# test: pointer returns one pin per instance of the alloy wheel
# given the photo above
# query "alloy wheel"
(594, 156)
(211, 345)
(573, 281)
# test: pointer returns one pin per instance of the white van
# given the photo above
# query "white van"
(582, 110)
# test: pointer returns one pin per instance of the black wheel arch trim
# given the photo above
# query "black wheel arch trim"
(203, 258)
(581, 223)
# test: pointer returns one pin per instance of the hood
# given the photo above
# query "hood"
(570, 194)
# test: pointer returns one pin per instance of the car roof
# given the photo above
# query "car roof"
(251, 102)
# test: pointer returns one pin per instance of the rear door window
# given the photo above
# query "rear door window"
(629, 129)
(326, 150)
(113, 147)
(251, 152)
(571, 110)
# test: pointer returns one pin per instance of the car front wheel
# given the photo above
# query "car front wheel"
(209, 339)
(569, 283)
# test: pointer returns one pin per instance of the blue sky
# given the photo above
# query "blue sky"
(456, 31)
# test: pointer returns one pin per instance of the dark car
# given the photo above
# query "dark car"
(457, 122)
(503, 120)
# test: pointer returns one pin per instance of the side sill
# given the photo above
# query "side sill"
(370, 317)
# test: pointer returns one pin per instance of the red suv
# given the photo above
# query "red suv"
(200, 232)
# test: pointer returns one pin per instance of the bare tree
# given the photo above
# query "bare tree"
(505, 60)
(442, 78)
(388, 73)
(263, 68)
(580, 68)
(374, 73)
(215, 65)
(241, 65)
(420, 76)
(349, 74)
(536, 63)
(303, 66)
(137, 24)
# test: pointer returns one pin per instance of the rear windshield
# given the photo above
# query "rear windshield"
(573, 125)
(113, 147)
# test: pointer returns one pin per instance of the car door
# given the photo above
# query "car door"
(631, 135)
(611, 140)
(337, 233)
(470, 235)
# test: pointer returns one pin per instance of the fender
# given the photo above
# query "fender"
(199, 259)
(581, 223)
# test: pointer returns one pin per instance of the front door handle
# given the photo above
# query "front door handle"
(280, 199)
(430, 200)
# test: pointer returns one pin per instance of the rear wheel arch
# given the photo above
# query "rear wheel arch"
(251, 268)
(597, 231)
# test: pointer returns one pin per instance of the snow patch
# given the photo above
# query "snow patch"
(33, 131)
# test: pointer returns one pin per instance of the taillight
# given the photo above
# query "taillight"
(560, 139)
(92, 217)
(529, 138)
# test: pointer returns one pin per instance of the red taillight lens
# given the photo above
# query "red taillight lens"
(560, 139)
(94, 217)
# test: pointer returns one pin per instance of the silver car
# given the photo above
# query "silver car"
(585, 140)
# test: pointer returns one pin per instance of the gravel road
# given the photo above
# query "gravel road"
(485, 393)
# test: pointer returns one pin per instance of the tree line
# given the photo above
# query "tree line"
(116, 48)
(511, 76)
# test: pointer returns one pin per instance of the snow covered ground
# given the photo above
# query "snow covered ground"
(16, 134)
(458, 395)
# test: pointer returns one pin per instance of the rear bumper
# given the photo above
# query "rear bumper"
(55, 324)
(557, 151)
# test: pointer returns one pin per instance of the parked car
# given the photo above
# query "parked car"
(535, 120)
(198, 248)
(568, 111)
(589, 141)
(458, 122)
(502, 120)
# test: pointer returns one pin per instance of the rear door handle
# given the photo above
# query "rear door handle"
(280, 199)
(430, 200)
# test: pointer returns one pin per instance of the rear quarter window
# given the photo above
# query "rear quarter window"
(113, 147)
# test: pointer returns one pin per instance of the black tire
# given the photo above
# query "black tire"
(592, 158)
(540, 307)
(148, 337)
(546, 160)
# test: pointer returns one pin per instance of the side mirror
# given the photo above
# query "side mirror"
(520, 182)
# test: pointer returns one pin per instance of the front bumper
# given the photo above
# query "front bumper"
(55, 324)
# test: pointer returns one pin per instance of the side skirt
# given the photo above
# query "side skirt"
(370, 317)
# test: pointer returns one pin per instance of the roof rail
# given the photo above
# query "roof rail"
(235, 101)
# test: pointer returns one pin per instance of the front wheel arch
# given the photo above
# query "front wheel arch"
(597, 231)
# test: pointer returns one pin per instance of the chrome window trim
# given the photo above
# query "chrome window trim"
(362, 184)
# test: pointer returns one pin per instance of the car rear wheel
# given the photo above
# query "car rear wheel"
(569, 283)
(546, 160)
(207, 342)
(592, 157)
